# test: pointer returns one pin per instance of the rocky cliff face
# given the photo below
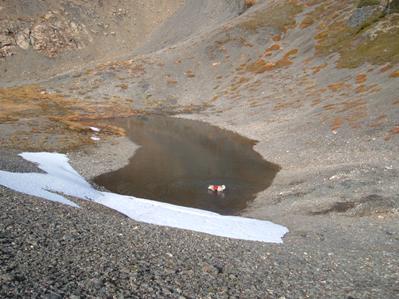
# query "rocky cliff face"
(50, 35)
(67, 30)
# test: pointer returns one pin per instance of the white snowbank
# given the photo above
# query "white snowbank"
(61, 178)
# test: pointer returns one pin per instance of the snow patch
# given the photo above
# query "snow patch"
(61, 178)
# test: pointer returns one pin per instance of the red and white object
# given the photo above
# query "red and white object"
(217, 188)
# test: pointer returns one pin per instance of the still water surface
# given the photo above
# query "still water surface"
(179, 158)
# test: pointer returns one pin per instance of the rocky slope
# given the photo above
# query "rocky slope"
(315, 82)
(41, 38)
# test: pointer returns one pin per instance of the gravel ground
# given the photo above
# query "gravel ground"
(53, 251)
(91, 161)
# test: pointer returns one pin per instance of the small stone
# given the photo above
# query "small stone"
(96, 283)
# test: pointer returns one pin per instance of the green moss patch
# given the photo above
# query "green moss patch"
(363, 3)
(384, 48)
(375, 41)
(281, 16)
(394, 6)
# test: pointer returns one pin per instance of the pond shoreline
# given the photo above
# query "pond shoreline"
(178, 160)
(102, 157)
(332, 247)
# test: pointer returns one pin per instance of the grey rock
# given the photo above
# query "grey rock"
(360, 15)
(23, 39)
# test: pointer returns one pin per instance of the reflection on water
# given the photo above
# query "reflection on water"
(179, 158)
